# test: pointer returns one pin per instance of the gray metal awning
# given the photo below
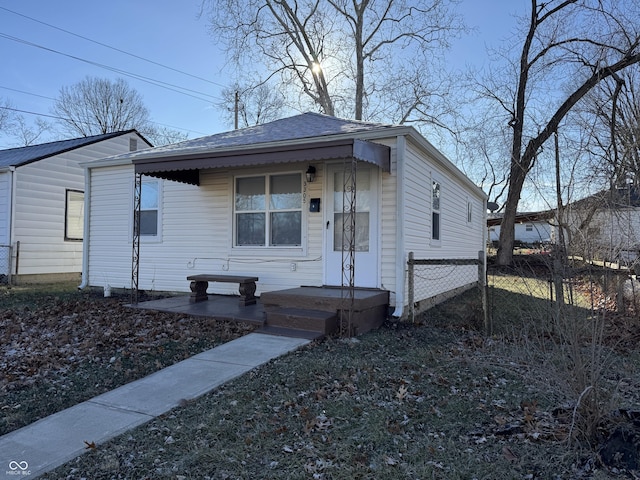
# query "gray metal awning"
(186, 167)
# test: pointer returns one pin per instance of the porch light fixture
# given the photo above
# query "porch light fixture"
(311, 174)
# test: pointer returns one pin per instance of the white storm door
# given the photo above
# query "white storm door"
(366, 232)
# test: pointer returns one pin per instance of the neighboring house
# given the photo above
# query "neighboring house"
(605, 226)
(530, 229)
(239, 203)
(42, 204)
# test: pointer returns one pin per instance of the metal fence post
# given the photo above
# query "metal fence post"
(411, 286)
(483, 284)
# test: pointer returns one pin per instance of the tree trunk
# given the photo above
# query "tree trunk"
(504, 255)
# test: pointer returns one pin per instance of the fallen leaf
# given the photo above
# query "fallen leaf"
(390, 460)
(508, 454)
(402, 393)
(90, 445)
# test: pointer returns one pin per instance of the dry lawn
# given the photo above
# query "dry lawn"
(435, 400)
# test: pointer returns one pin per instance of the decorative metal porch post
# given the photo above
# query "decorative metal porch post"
(135, 256)
(348, 246)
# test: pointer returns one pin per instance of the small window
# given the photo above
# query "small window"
(528, 227)
(435, 211)
(74, 215)
(149, 212)
(469, 212)
(133, 144)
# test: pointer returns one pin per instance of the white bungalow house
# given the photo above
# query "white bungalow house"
(605, 226)
(42, 204)
(240, 203)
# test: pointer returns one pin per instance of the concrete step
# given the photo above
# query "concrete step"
(320, 321)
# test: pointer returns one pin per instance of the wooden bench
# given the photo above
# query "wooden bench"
(200, 283)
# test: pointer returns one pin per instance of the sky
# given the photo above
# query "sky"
(46, 45)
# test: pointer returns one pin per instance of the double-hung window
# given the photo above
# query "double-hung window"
(268, 210)
(150, 208)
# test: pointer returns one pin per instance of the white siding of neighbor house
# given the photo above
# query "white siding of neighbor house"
(40, 199)
(539, 232)
(459, 239)
(196, 236)
(611, 234)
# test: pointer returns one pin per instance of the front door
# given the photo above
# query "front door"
(366, 231)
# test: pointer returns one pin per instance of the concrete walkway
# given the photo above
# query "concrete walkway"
(54, 440)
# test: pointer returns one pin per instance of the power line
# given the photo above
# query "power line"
(60, 118)
(158, 83)
(53, 99)
(113, 48)
(26, 93)
(56, 117)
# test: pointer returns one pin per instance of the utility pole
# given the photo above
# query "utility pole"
(235, 110)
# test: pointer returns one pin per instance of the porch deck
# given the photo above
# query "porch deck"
(291, 312)
(219, 307)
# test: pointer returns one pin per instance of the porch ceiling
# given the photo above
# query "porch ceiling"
(186, 167)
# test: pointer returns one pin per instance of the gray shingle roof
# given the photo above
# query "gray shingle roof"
(298, 127)
(15, 157)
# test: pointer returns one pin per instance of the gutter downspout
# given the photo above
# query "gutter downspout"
(401, 261)
(85, 229)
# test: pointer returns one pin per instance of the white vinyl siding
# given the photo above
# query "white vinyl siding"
(197, 237)
(388, 224)
(458, 237)
(5, 204)
(528, 233)
(40, 207)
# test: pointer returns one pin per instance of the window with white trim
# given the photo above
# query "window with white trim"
(74, 215)
(435, 210)
(528, 227)
(268, 210)
(469, 211)
(149, 208)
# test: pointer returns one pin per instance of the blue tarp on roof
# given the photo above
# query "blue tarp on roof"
(15, 157)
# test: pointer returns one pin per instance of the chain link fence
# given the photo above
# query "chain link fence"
(524, 294)
(5, 264)
(538, 279)
(433, 281)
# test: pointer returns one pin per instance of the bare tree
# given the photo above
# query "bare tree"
(96, 106)
(248, 106)
(343, 55)
(614, 109)
(29, 134)
(569, 47)
(13, 125)
(160, 135)
(6, 115)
